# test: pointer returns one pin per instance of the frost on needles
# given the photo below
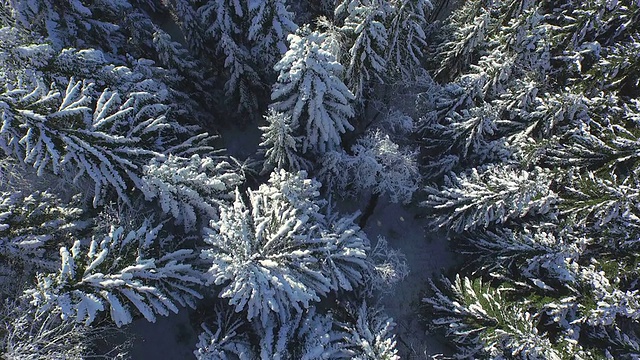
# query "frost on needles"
(310, 90)
(536, 127)
(119, 273)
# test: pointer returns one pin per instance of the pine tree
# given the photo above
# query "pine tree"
(359, 332)
(243, 77)
(63, 132)
(190, 188)
(280, 144)
(280, 254)
(491, 196)
(28, 334)
(226, 340)
(484, 324)
(309, 90)
(271, 23)
(187, 18)
(308, 335)
(32, 228)
(365, 26)
(369, 333)
(407, 29)
(73, 23)
(377, 164)
(468, 26)
(116, 271)
(542, 90)
(250, 37)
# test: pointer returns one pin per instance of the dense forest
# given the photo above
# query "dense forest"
(225, 159)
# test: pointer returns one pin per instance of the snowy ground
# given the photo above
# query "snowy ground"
(170, 338)
(427, 255)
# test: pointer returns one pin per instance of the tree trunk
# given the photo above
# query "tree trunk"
(368, 210)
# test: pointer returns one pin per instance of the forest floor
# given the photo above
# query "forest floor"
(427, 255)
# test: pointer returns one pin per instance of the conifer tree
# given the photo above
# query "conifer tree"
(280, 144)
(118, 273)
(111, 180)
(365, 26)
(62, 131)
(190, 188)
(73, 23)
(539, 92)
(250, 37)
(280, 254)
(28, 334)
(407, 37)
(377, 164)
(309, 90)
(33, 226)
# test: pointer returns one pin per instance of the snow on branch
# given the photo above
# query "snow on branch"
(366, 28)
(32, 226)
(491, 196)
(73, 135)
(309, 90)
(224, 338)
(482, 322)
(279, 254)
(369, 333)
(377, 164)
(191, 187)
(116, 274)
(280, 143)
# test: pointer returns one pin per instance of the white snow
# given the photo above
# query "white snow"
(170, 338)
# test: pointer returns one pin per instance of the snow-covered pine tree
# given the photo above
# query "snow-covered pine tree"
(74, 23)
(243, 79)
(278, 255)
(308, 335)
(357, 332)
(407, 40)
(125, 272)
(542, 257)
(493, 195)
(250, 38)
(365, 27)
(281, 146)
(309, 90)
(225, 337)
(484, 323)
(28, 59)
(572, 291)
(271, 23)
(171, 54)
(190, 188)
(376, 164)
(467, 26)
(186, 16)
(32, 227)
(496, 105)
(67, 132)
(132, 28)
(368, 333)
(555, 87)
(389, 267)
(41, 334)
